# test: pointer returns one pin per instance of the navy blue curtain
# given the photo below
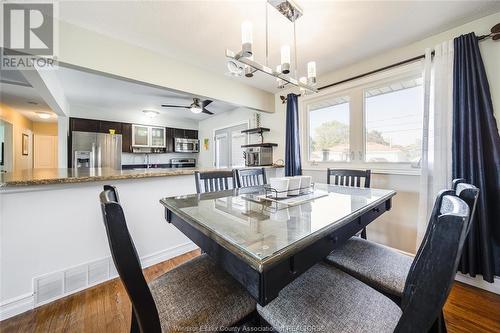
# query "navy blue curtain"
(292, 141)
(476, 156)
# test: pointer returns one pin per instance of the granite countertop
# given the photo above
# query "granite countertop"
(68, 176)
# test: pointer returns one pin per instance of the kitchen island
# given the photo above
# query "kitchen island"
(52, 237)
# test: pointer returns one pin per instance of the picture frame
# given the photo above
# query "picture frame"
(26, 140)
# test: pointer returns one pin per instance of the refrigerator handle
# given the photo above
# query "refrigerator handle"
(93, 156)
(99, 152)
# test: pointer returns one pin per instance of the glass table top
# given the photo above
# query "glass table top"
(258, 230)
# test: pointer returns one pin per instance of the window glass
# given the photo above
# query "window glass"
(329, 130)
(393, 122)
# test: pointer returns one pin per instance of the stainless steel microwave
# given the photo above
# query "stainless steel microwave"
(182, 145)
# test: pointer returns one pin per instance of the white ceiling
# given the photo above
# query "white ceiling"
(117, 97)
(25, 100)
(334, 33)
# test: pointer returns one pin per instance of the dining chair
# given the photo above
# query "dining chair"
(214, 181)
(346, 177)
(331, 300)
(381, 267)
(250, 177)
(191, 297)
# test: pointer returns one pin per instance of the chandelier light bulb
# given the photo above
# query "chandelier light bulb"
(311, 72)
(246, 38)
(285, 59)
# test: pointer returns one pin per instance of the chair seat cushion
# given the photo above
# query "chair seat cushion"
(325, 299)
(376, 265)
(198, 295)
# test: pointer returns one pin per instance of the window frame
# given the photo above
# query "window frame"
(357, 116)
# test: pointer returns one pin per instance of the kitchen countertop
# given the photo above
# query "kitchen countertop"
(68, 176)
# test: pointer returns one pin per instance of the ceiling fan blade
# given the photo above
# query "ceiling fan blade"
(206, 111)
(496, 37)
(496, 28)
(206, 102)
(174, 106)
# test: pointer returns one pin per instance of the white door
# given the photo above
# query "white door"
(228, 142)
(45, 151)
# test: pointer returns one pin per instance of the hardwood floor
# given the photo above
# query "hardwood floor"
(106, 308)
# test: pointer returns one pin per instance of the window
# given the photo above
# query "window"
(329, 131)
(393, 122)
(374, 122)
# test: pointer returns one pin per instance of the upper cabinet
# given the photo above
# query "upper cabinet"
(106, 126)
(84, 125)
(158, 137)
(140, 136)
(185, 133)
(126, 138)
(148, 136)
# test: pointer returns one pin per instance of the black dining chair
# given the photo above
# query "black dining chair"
(250, 177)
(214, 181)
(346, 177)
(191, 297)
(331, 300)
(381, 267)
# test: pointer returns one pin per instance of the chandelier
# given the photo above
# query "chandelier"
(243, 64)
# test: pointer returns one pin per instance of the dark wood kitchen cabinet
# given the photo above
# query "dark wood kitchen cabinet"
(191, 134)
(105, 126)
(169, 136)
(84, 125)
(185, 133)
(126, 138)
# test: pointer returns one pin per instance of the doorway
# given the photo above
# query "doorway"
(227, 147)
(6, 147)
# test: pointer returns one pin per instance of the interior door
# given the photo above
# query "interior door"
(228, 142)
(44, 151)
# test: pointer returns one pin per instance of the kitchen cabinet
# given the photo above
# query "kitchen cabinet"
(84, 125)
(158, 138)
(140, 136)
(185, 133)
(126, 138)
(105, 126)
(191, 134)
(169, 135)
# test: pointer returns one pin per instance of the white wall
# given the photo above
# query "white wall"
(63, 227)
(276, 122)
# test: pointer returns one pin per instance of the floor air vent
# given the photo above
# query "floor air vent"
(63, 283)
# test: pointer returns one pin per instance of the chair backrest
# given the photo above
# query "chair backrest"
(127, 263)
(250, 177)
(346, 177)
(468, 193)
(214, 181)
(432, 272)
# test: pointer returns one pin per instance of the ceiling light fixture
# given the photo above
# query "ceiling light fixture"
(242, 63)
(151, 113)
(43, 115)
(196, 109)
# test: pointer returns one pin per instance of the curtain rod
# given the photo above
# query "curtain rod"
(493, 35)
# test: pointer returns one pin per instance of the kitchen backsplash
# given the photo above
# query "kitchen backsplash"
(131, 159)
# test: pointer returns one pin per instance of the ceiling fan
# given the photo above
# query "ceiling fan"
(196, 107)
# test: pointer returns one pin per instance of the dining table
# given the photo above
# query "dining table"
(266, 244)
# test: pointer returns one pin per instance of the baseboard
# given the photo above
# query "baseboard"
(26, 302)
(15, 306)
(160, 256)
(479, 282)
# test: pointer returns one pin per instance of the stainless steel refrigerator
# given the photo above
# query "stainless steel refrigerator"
(96, 150)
